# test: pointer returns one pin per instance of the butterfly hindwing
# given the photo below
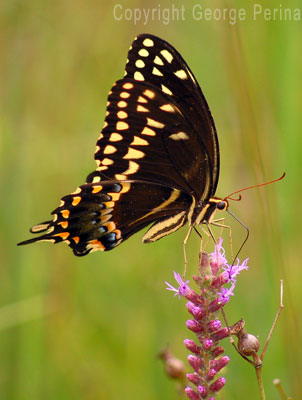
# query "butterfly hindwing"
(100, 216)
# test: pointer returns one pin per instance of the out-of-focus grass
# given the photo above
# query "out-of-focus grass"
(90, 328)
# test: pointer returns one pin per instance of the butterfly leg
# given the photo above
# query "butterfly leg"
(221, 223)
(201, 239)
(203, 245)
(184, 248)
(211, 233)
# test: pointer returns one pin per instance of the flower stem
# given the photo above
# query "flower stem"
(258, 369)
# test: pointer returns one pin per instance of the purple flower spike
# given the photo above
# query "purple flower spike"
(216, 280)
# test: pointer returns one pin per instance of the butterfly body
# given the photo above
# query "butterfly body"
(157, 158)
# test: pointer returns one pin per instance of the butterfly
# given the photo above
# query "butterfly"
(157, 158)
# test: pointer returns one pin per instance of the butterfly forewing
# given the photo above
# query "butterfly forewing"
(154, 60)
(147, 136)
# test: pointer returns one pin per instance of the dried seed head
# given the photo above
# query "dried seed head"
(174, 367)
(248, 344)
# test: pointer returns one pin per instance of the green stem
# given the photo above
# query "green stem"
(258, 369)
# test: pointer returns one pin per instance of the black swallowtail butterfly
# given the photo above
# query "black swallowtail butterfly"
(157, 158)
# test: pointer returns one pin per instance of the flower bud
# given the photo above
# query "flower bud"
(214, 325)
(192, 346)
(195, 362)
(217, 351)
(207, 344)
(211, 374)
(221, 363)
(198, 312)
(194, 378)
(195, 326)
(191, 394)
(192, 296)
(217, 385)
(220, 334)
(203, 260)
(220, 280)
(203, 391)
(216, 304)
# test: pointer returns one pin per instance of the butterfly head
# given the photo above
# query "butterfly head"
(204, 213)
(215, 204)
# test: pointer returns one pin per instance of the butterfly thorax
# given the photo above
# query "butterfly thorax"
(204, 212)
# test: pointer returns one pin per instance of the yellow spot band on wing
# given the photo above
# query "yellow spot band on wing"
(114, 196)
(97, 189)
(148, 131)
(133, 154)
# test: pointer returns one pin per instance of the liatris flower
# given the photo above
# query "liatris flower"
(216, 281)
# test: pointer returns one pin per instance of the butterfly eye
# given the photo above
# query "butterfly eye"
(222, 205)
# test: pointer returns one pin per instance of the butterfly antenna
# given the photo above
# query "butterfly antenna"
(246, 238)
(251, 187)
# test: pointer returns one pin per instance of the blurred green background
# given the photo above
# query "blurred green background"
(90, 328)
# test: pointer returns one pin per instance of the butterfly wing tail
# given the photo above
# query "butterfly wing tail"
(53, 233)
(42, 227)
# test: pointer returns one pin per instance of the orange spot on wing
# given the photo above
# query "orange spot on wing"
(63, 235)
(110, 225)
(96, 245)
(65, 213)
(64, 224)
(117, 233)
(76, 200)
(76, 239)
